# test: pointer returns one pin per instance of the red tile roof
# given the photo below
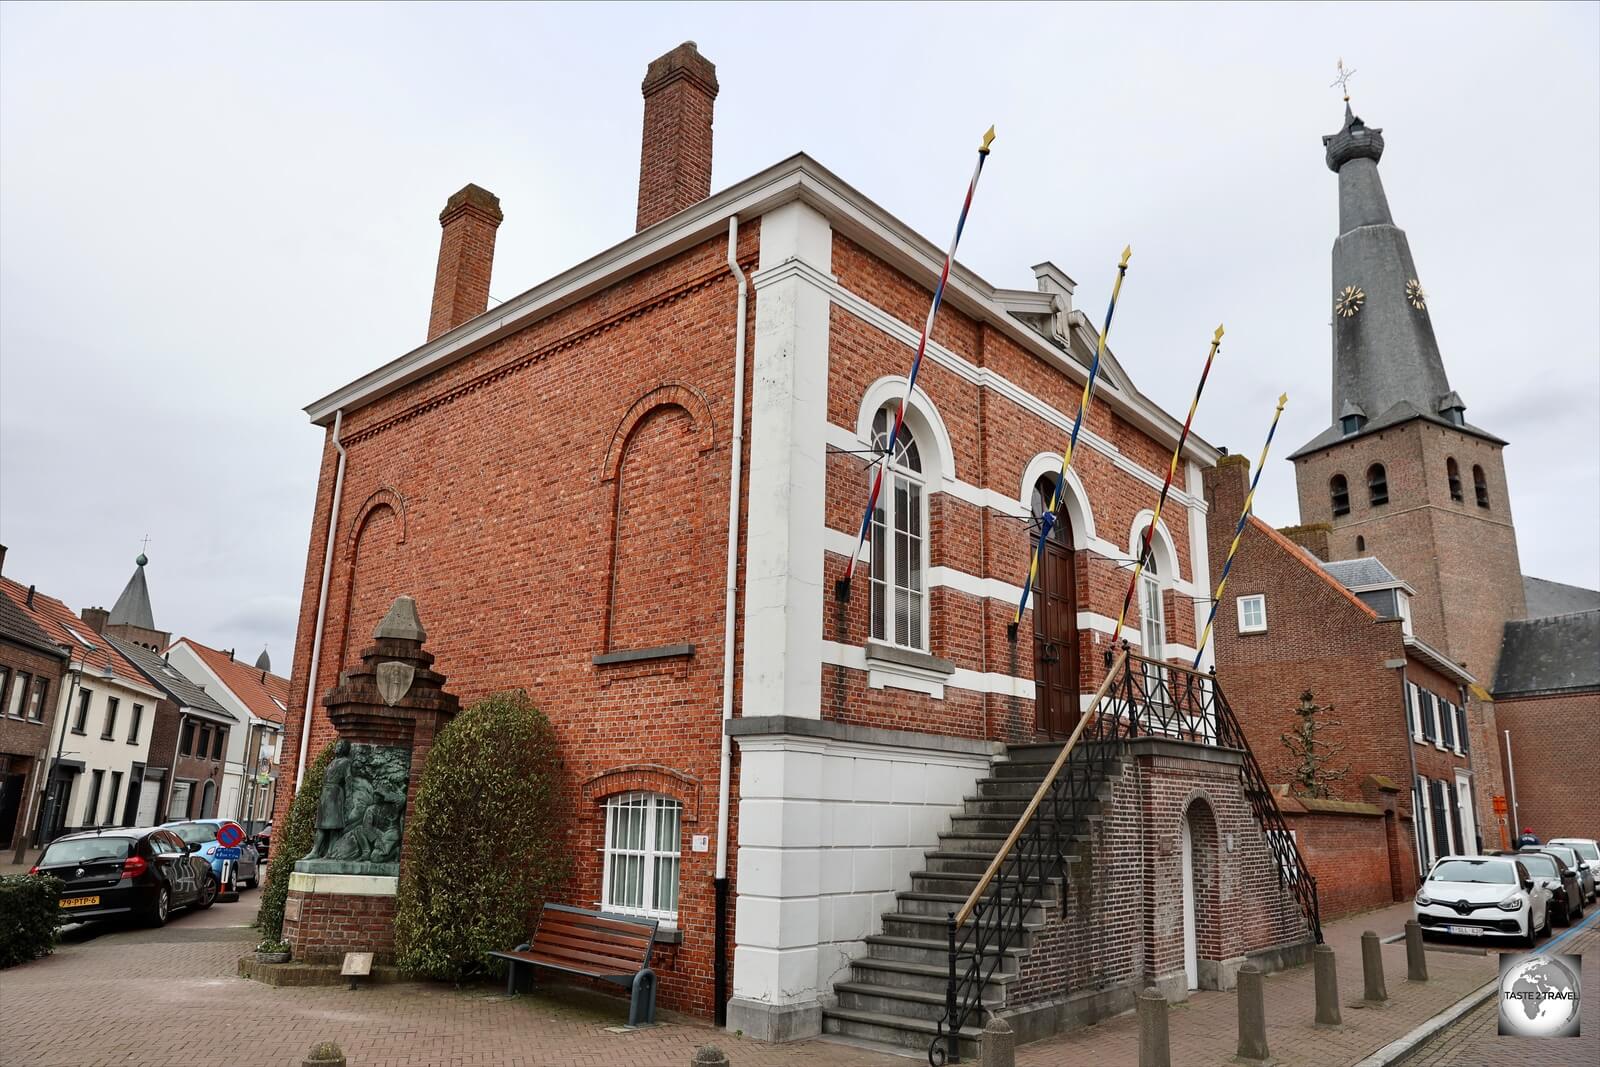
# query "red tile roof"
(64, 627)
(264, 693)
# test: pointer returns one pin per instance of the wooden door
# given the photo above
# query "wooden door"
(1055, 641)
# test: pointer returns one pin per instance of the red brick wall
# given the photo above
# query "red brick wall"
(327, 925)
(22, 740)
(1553, 742)
(1349, 854)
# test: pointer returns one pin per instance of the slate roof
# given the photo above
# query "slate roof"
(64, 627)
(15, 626)
(1311, 563)
(1404, 411)
(1553, 654)
(264, 693)
(133, 606)
(169, 679)
(1546, 598)
(1363, 573)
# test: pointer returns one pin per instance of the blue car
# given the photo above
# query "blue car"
(200, 835)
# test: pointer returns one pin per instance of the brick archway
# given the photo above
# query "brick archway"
(1206, 852)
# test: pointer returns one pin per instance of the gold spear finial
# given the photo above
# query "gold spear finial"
(1342, 82)
(1127, 253)
(1282, 400)
(988, 139)
(1216, 338)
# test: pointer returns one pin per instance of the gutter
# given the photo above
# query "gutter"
(322, 600)
(719, 966)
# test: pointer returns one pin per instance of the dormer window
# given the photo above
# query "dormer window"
(1377, 485)
(1339, 492)
(1455, 416)
(1352, 424)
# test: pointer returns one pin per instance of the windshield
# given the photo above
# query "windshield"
(195, 833)
(1586, 849)
(1541, 866)
(1488, 872)
(1569, 857)
(86, 850)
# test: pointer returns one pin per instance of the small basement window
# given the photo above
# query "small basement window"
(1253, 614)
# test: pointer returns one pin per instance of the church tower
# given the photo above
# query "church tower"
(1400, 473)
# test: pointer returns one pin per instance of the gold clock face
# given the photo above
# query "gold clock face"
(1415, 296)
(1349, 302)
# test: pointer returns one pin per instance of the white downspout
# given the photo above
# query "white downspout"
(322, 601)
(735, 469)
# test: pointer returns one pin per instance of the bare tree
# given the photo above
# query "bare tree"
(1314, 754)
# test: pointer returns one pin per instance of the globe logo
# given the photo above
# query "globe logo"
(1538, 996)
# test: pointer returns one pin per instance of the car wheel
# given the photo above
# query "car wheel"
(208, 893)
(1548, 925)
(163, 906)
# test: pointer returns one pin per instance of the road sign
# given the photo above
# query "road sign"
(230, 835)
(228, 852)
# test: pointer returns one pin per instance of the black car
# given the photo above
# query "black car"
(144, 873)
(1566, 900)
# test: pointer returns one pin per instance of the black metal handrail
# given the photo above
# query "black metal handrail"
(1140, 697)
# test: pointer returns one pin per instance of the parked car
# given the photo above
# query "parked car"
(201, 836)
(1571, 859)
(145, 873)
(263, 840)
(1588, 850)
(1483, 896)
(1566, 890)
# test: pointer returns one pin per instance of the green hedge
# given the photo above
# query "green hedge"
(485, 841)
(291, 842)
(28, 911)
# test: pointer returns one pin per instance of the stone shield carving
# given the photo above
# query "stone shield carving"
(394, 681)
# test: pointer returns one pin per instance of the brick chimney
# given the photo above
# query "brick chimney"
(95, 618)
(466, 256)
(675, 160)
(1313, 537)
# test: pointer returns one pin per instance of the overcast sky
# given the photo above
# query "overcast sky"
(211, 216)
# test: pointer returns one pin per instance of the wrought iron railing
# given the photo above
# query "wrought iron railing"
(1140, 697)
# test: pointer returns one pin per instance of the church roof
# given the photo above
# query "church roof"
(263, 661)
(1404, 411)
(133, 606)
(1550, 655)
(172, 681)
(1546, 598)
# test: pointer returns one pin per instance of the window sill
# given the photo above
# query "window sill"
(668, 935)
(1253, 631)
(642, 655)
(892, 667)
(80, 733)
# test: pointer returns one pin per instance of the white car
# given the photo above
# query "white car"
(1483, 896)
(1588, 851)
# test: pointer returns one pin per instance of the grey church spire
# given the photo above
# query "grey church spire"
(133, 606)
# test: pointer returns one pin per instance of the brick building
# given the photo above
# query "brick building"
(631, 489)
(257, 698)
(1291, 624)
(32, 667)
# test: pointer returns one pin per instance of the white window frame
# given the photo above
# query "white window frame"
(1402, 601)
(653, 805)
(1256, 599)
(1414, 706)
(1152, 625)
(882, 566)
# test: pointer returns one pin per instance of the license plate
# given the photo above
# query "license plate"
(1469, 931)
(80, 902)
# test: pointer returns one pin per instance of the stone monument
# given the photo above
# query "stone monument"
(387, 712)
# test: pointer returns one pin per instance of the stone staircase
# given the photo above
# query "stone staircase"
(896, 993)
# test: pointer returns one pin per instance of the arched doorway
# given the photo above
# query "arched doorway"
(1191, 941)
(1055, 621)
(208, 800)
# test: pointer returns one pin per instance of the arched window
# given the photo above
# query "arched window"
(1480, 487)
(208, 800)
(1361, 543)
(1453, 472)
(1152, 612)
(640, 875)
(1339, 492)
(899, 541)
(1043, 492)
(1377, 485)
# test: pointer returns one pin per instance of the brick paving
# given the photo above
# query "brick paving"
(155, 997)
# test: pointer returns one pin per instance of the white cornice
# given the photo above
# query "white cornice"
(798, 177)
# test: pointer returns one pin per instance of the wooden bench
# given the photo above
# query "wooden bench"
(594, 944)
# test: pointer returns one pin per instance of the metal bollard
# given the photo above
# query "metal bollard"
(1372, 969)
(999, 1044)
(709, 1056)
(1326, 972)
(1251, 993)
(1155, 1050)
(1416, 953)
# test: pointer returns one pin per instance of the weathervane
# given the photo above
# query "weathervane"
(1342, 82)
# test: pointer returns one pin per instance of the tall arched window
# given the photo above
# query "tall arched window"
(1377, 485)
(1339, 493)
(1453, 472)
(1480, 487)
(899, 541)
(1152, 612)
(208, 800)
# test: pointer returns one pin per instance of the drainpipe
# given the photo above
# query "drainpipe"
(719, 966)
(322, 600)
(1516, 819)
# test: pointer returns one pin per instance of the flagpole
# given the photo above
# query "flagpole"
(1238, 531)
(1048, 519)
(842, 588)
(1172, 469)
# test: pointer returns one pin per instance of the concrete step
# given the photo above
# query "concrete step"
(962, 884)
(901, 1003)
(921, 926)
(999, 824)
(929, 978)
(1013, 807)
(941, 905)
(931, 953)
(896, 1030)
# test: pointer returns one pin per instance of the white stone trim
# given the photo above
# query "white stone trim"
(1077, 499)
(348, 885)
(884, 675)
(923, 419)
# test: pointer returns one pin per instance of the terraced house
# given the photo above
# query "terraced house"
(632, 489)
